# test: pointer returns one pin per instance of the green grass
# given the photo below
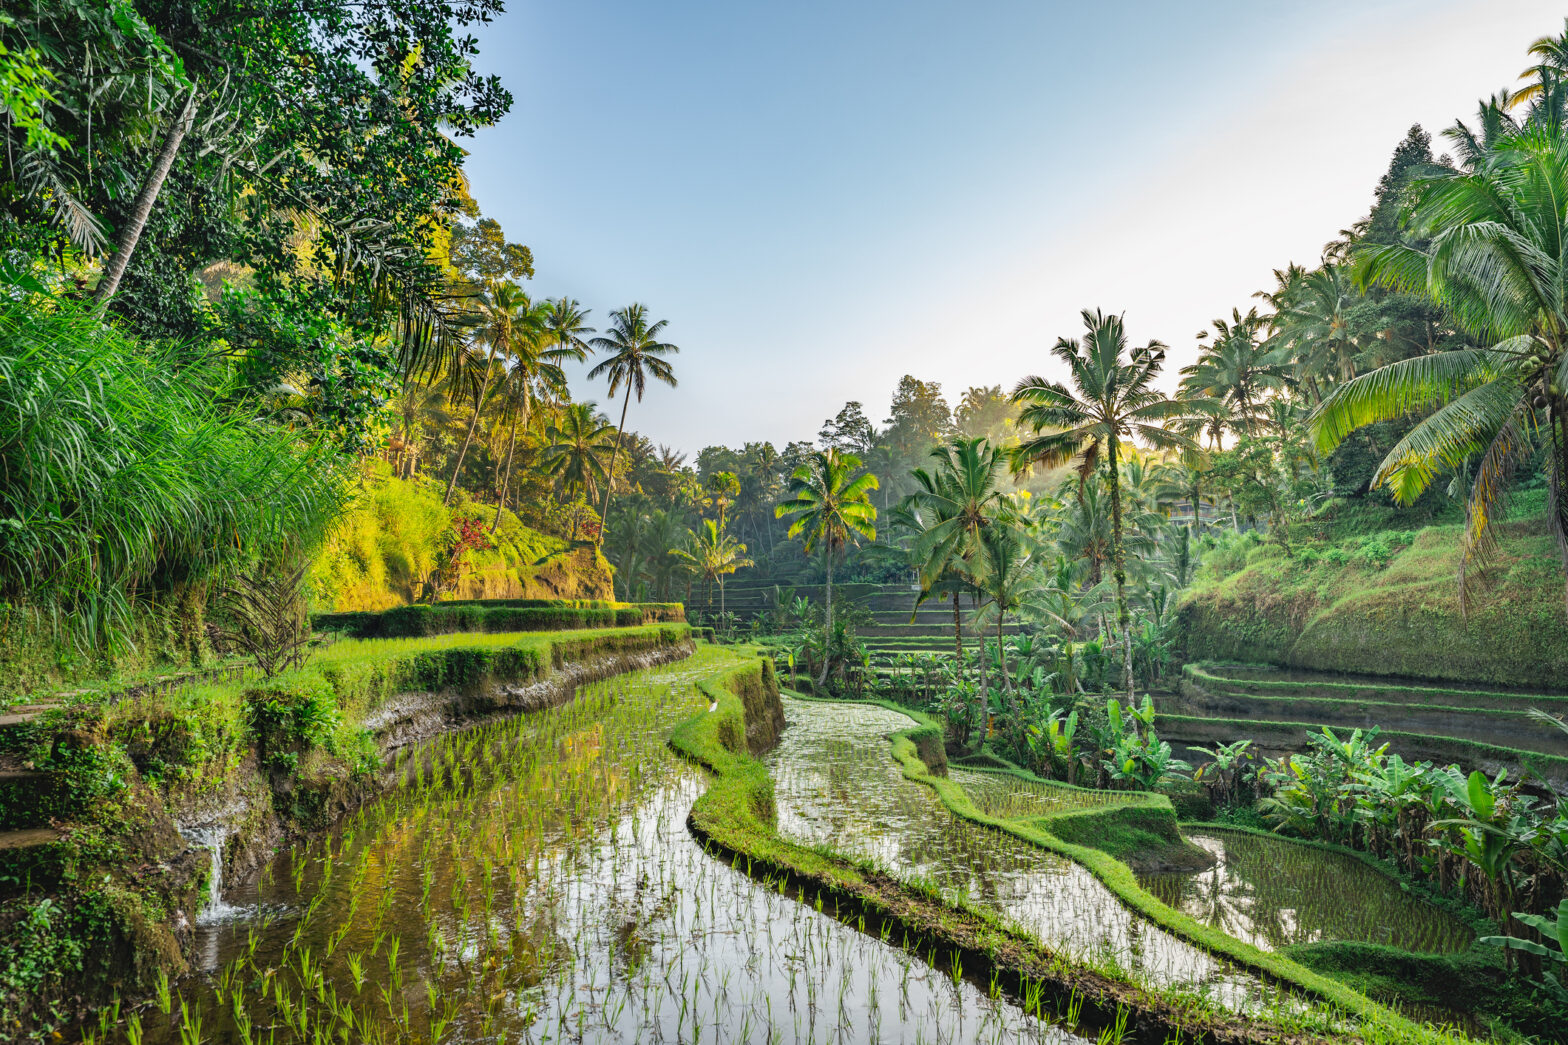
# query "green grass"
(503, 615)
(383, 548)
(1384, 602)
(735, 817)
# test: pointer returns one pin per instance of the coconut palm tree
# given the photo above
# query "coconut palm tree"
(508, 316)
(1311, 324)
(567, 323)
(1111, 402)
(531, 371)
(579, 445)
(635, 354)
(955, 503)
(1236, 370)
(1494, 260)
(713, 554)
(832, 507)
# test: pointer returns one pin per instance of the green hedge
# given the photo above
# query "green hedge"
(498, 615)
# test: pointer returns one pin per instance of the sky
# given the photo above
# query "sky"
(823, 196)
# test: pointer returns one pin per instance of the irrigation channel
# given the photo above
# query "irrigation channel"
(836, 784)
(534, 881)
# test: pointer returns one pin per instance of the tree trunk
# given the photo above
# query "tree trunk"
(506, 476)
(827, 618)
(958, 638)
(1119, 561)
(609, 480)
(721, 596)
(141, 207)
(473, 426)
(985, 695)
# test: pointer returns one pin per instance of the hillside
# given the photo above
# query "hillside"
(380, 552)
(1380, 600)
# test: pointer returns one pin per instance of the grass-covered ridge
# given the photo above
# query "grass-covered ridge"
(385, 546)
(1367, 597)
(273, 758)
(502, 615)
(735, 818)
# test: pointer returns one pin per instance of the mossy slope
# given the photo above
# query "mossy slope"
(1386, 603)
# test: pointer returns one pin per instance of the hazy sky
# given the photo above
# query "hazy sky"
(821, 197)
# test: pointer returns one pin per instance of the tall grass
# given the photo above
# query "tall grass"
(127, 472)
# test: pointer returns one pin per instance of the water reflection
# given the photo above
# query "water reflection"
(1274, 893)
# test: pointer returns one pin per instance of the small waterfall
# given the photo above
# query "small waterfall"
(210, 837)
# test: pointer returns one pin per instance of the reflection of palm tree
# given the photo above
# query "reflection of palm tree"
(579, 446)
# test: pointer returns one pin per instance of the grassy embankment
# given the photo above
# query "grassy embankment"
(97, 908)
(1365, 590)
(384, 547)
(377, 556)
(735, 817)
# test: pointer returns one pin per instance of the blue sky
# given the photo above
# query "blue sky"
(821, 197)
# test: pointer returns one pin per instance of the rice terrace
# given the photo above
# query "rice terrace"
(459, 582)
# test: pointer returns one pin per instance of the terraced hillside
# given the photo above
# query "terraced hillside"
(896, 627)
(1477, 728)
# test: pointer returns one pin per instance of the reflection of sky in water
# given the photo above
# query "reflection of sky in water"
(1274, 893)
(836, 783)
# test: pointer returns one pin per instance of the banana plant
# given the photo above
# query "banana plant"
(1222, 774)
(1554, 931)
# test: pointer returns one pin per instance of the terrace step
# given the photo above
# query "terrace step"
(1245, 682)
(1503, 727)
(1472, 727)
(22, 714)
(29, 858)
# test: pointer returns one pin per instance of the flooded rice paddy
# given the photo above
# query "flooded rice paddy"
(534, 881)
(1273, 893)
(836, 784)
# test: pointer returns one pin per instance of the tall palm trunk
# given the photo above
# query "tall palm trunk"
(1119, 561)
(506, 475)
(958, 638)
(985, 693)
(473, 426)
(141, 207)
(827, 618)
(609, 480)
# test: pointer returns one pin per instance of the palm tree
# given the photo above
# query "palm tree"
(1311, 324)
(1112, 400)
(953, 506)
(1494, 260)
(532, 370)
(831, 506)
(508, 316)
(635, 355)
(714, 554)
(578, 446)
(567, 323)
(1010, 579)
(1236, 370)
